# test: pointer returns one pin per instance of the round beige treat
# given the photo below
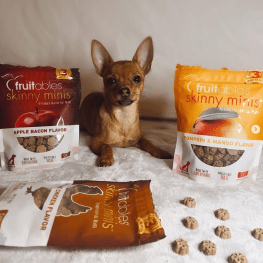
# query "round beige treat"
(222, 214)
(41, 149)
(49, 148)
(223, 232)
(20, 140)
(208, 247)
(25, 142)
(31, 141)
(52, 141)
(41, 141)
(31, 148)
(237, 258)
(189, 202)
(190, 222)
(258, 234)
(180, 247)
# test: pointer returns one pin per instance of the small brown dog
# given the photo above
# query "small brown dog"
(113, 117)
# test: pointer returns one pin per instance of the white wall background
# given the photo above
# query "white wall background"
(213, 34)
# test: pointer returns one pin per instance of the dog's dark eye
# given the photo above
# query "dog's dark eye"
(136, 79)
(111, 81)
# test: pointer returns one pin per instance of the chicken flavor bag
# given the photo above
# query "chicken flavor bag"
(220, 124)
(79, 214)
(38, 117)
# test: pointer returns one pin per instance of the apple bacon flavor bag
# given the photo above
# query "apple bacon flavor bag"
(220, 124)
(38, 118)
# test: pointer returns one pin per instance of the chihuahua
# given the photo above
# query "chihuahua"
(112, 117)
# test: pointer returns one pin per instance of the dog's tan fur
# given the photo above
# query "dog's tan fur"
(112, 117)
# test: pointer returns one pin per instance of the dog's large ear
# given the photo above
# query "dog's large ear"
(144, 55)
(100, 56)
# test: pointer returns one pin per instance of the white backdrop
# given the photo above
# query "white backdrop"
(213, 34)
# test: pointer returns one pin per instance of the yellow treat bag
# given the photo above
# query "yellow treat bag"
(220, 124)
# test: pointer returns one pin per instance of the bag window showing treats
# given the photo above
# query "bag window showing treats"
(83, 214)
(38, 116)
(219, 123)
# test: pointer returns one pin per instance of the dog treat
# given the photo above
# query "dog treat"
(219, 157)
(208, 247)
(97, 214)
(180, 247)
(237, 258)
(39, 116)
(218, 121)
(190, 222)
(222, 214)
(223, 232)
(189, 202)
(257, 233)
(40, 144)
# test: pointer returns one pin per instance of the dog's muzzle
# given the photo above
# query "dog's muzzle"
(125, 97)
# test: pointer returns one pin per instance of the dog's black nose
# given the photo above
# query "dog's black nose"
(125, 92)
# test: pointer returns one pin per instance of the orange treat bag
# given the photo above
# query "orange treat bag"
(219, 124)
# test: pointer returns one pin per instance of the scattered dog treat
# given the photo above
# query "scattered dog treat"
(223, 232)
(39, 144)
(180, 247)
(189, 202)
(222, 214)
(237, 258)
(208, 247)
(258, 234)
(219, 157)
(190, 222)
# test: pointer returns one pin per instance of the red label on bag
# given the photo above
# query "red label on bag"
(40, 96)
(242, 174)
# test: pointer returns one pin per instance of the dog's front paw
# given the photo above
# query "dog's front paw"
(105, 161)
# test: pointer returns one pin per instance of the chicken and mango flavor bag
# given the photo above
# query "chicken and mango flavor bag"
(219, 120)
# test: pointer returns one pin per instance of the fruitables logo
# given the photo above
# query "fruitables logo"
(21, 89)
(13, 83)
(231, 94)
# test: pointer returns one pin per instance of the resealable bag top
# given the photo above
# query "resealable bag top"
(38, 116)
(220, 123)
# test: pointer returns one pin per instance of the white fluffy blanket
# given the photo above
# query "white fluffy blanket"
(245, 205)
